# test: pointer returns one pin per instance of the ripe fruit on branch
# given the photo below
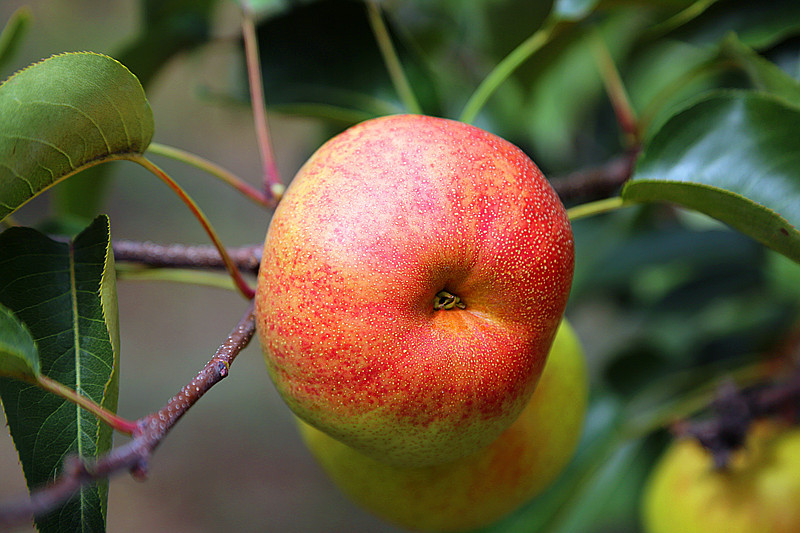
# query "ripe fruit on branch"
(479, 489)
(758, 493)
(412, 281)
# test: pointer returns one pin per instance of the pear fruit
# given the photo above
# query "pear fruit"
(481, 488)
(759, 492)
(412, 281)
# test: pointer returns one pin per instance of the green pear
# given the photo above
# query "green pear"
(479, 489)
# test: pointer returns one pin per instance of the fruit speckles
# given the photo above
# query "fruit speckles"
(380, 220)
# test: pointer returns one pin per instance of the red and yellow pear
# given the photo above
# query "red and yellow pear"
(412, 281)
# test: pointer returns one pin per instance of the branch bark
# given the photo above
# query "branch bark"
(151, 430)
(735, 409)
(596, 182)
(590, 183)
(246, 258)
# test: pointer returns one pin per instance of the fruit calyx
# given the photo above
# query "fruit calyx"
(447, 300)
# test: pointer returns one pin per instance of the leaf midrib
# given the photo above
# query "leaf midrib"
(76, 341)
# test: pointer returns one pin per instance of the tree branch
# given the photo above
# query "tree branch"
(151, 430)
(246, 258)
(735, 409)
(596, 182)
(585, 184)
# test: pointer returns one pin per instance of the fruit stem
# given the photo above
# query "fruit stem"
(215, 170)
(596, 208)
(447, 300)
(393, 65)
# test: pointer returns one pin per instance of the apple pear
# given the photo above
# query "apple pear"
(481, 488)
(412, 281)
(758, 493)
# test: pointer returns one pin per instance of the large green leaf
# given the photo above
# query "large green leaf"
(65, 294)
(734, 156)
(18, 354)
(62, 115)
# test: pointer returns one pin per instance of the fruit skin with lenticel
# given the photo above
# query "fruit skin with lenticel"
(481, 488)
(412, 282)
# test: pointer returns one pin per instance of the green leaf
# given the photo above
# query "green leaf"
(65, 294)
(64, 114)
(12, 34)
(734, 156)
(18, 354)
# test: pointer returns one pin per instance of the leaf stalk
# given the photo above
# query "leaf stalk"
(242, 285)
(117, 422)
(596, 208)
(215, 170)
(391, 59)
(505, 68)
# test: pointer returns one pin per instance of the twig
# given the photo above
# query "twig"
(134, 455)
(596, 182)
(735, 409)
(245, 258)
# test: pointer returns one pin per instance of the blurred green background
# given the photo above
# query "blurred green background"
(665, 301)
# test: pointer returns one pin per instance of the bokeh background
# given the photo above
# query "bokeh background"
(665, 301)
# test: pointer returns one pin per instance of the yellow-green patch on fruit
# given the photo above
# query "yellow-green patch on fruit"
(481, 488)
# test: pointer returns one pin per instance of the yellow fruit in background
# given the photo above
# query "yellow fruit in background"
(483, 487)
(758, 493)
